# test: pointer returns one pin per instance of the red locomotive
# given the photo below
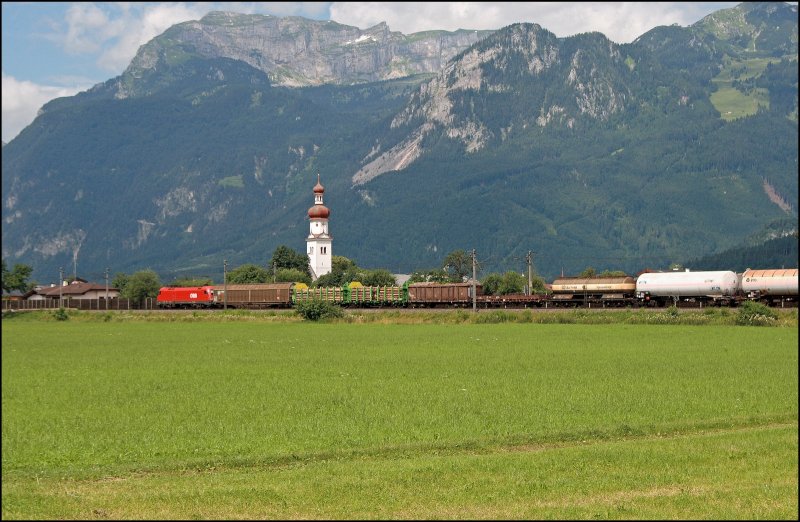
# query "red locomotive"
(186, 297)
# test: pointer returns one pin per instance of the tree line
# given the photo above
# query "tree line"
(288, 265)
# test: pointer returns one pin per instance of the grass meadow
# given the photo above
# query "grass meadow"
(279, 418)
(733, 103)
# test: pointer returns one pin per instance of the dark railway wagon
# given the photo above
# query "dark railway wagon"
(435, 294)
(512, 301)
(266, 295)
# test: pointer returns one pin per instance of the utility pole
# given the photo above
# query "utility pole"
(106, 288)
(60, 283)
(274, 270)
(474, 290)
(225, 284)
(528, 260)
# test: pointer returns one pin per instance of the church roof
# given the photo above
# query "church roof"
(318, 188)
(319, 212)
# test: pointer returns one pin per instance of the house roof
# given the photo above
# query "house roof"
(73, 289)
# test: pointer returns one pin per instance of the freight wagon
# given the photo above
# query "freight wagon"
(716, 287)
(332, 294)
(376, 295)
(356, 295)
(588, 291)
(256, 295)
(770, 286)
(437, 294)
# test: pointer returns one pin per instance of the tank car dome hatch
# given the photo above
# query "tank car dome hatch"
(319, 212)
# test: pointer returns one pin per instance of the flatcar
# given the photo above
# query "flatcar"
(332, 294)
(358, 295)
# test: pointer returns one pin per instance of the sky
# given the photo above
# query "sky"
(55, 49)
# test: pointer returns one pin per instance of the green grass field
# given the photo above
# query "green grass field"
(272, 419)
(732, 103)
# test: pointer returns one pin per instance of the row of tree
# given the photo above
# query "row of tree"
(288, 265)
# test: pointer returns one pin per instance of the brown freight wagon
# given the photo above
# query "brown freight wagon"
(255, 295)
(432, 294)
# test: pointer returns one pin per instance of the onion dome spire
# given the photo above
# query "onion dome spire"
(318, 211)
(318, 188)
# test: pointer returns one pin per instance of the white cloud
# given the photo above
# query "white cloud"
(315, 10)
(115, 36)
(22, 101)
(622, 22)
(87, 28)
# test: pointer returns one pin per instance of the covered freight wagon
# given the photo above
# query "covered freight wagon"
(433, 294)
(255, 295)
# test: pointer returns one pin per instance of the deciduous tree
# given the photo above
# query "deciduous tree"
(379, 277)
(141, 284)
(17, 277)
(458, 264)
(249, 273)
(292, 275)
(285, 257)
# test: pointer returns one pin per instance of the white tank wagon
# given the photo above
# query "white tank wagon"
(770, 285)
(659, 287)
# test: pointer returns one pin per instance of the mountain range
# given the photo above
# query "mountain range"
(585, 152)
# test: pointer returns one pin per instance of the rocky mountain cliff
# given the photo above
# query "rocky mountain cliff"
(624, 157)
(298, 52)
(516, 67)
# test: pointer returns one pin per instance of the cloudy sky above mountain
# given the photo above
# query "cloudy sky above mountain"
(55, 49)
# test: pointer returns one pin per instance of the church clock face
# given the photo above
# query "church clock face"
(316, 228)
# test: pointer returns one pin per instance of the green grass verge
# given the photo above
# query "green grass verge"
(709, 316)
(267, 419)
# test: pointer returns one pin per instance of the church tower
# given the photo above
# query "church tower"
(318, 240)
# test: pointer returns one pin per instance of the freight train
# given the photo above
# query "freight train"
(775, 287)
